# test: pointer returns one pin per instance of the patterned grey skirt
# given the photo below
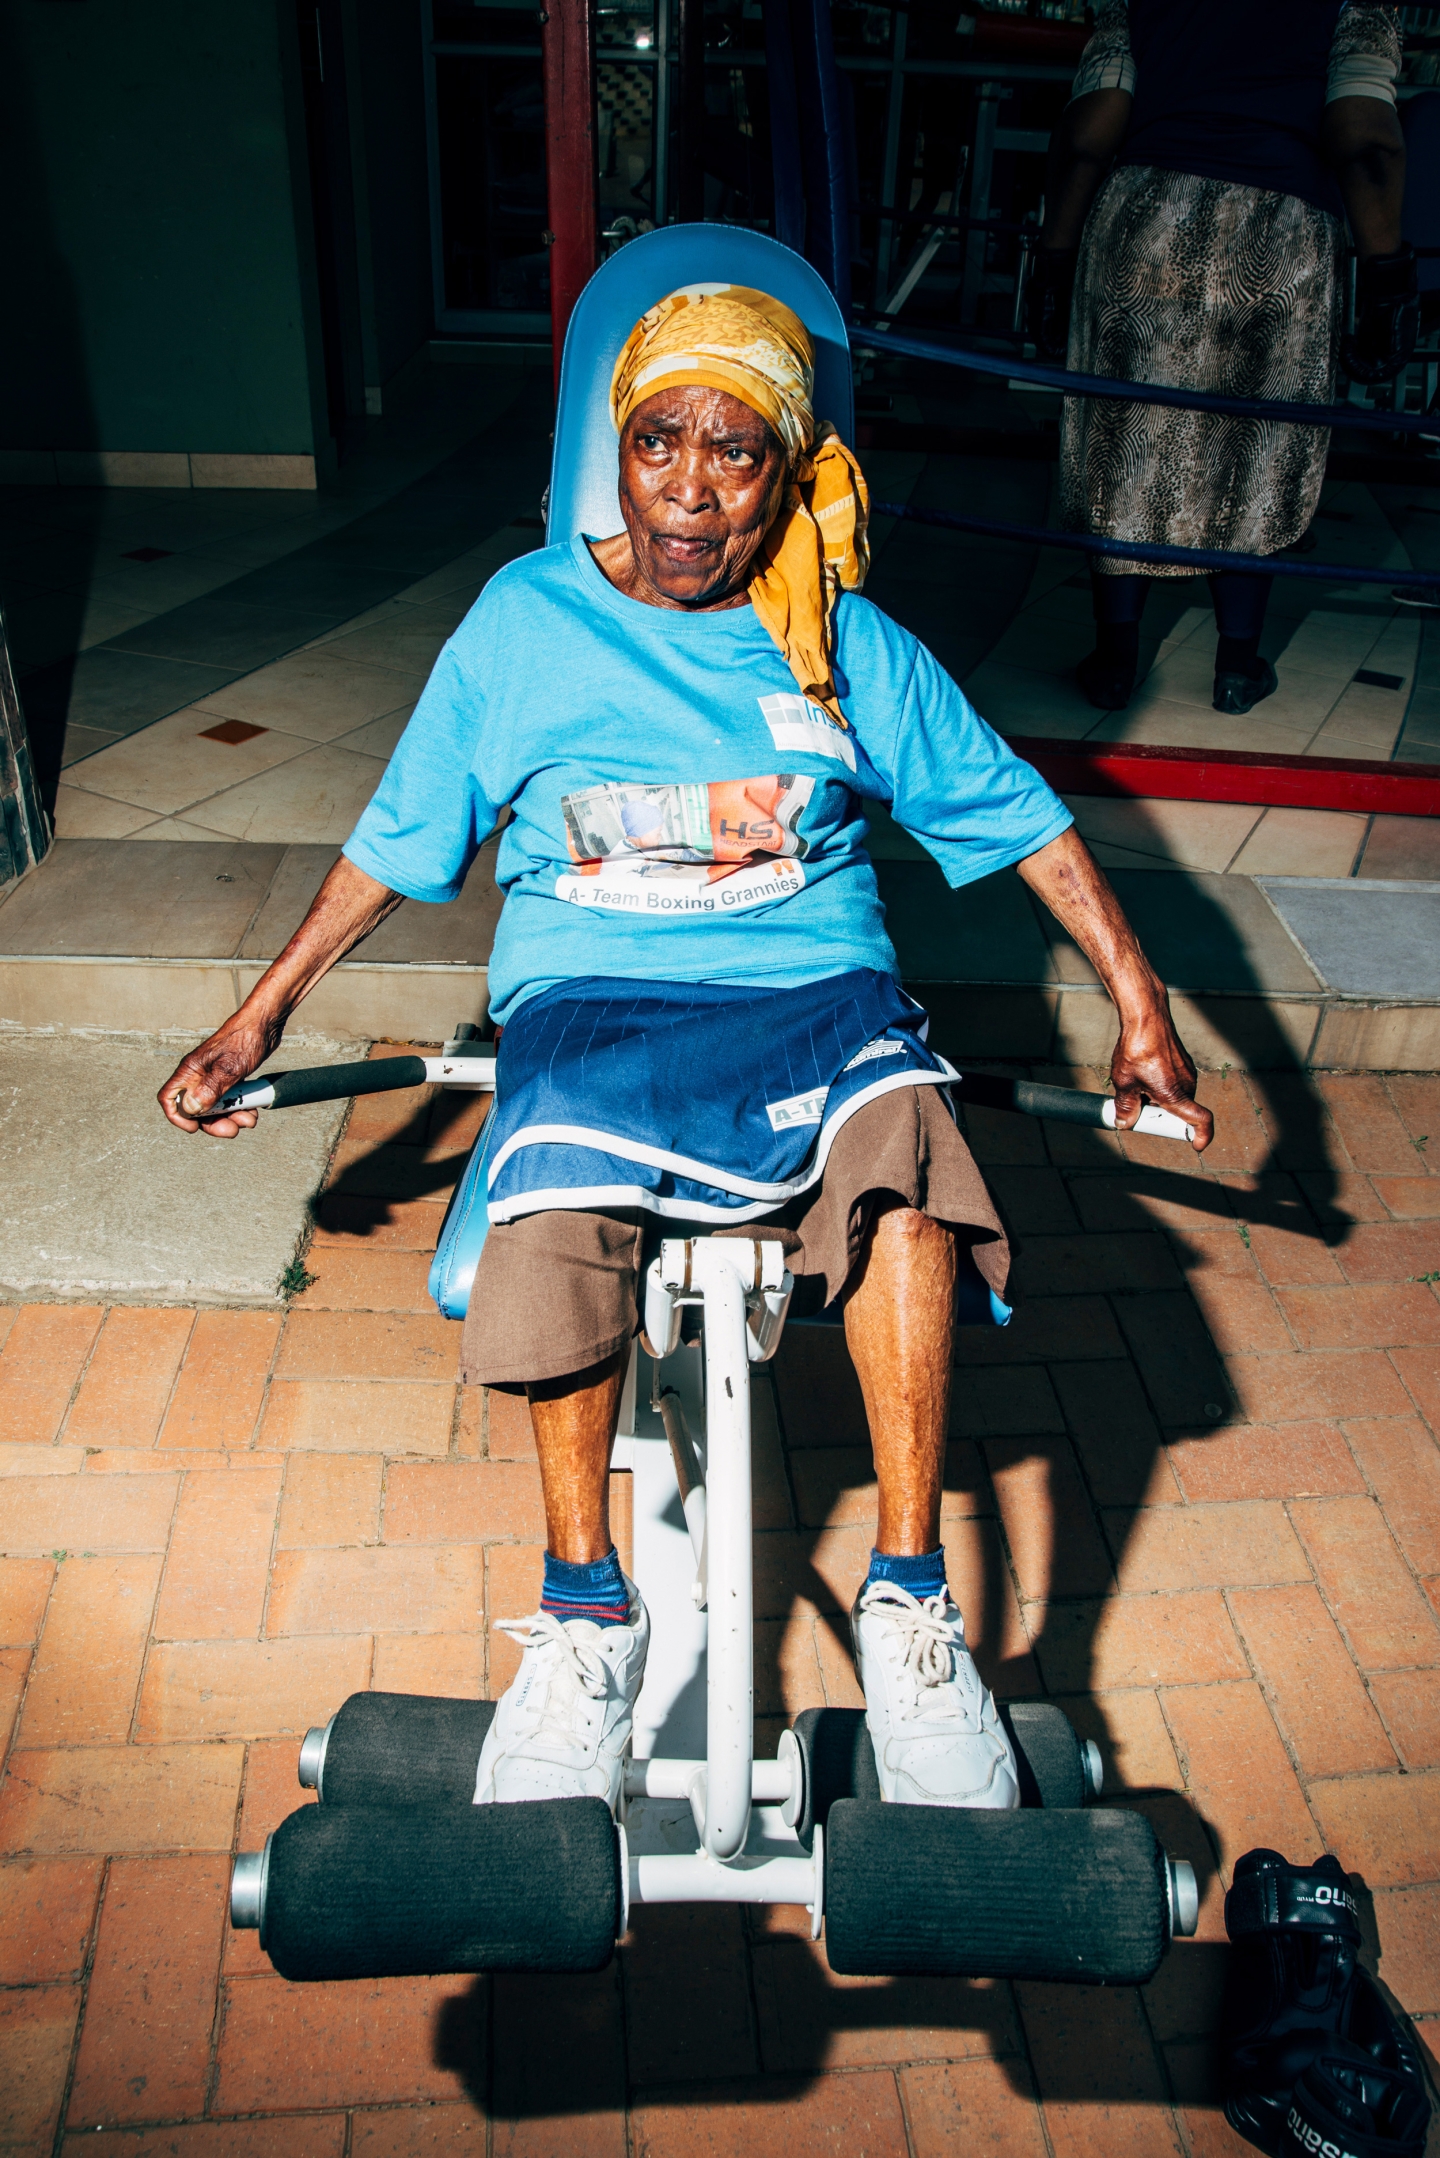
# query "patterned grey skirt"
(1209, 286)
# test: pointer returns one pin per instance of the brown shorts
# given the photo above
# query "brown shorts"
(557, 1292)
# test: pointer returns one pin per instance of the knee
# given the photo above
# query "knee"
(910, 1236)
(903, 1224)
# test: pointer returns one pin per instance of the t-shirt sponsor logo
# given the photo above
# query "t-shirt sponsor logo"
(876, 1049)
(797, 1109)
(721, 823)
(796, 723)
(670, 891)
(712, 849)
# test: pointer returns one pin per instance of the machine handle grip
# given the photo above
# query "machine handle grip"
(1063, 1105)
(323, 1082)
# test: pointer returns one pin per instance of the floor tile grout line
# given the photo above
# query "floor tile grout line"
(132, 1735)
(175, 1374)
(83, 1373)
(1327, 1601)
(12, 1744)
(1396, 1539)
(88, 1969)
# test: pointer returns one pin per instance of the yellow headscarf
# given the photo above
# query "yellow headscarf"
(728, 337)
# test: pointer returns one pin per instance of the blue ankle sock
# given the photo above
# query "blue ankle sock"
(923, 1576)
(596, 1591)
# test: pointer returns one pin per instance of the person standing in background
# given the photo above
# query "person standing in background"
(1199, 182)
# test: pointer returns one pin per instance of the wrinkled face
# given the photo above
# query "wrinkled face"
(701, 477)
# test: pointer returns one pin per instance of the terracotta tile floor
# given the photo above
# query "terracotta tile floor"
(1194, 1493)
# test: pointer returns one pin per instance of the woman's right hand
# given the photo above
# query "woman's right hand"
(199, 1079)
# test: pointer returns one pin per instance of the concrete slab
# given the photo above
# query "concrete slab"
(139, 898)
(99, 1196)
(458, 933)
(1201, 932)
(151, 935)
(1365, 937)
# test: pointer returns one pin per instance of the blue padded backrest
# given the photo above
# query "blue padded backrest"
(585, 469)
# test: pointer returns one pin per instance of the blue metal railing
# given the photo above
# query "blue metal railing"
(1150, 393)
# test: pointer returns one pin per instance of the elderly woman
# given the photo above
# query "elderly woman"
(700, 1006)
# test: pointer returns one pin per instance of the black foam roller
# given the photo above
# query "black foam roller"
(404, 1749)
(390, 1893)
(1074, 1896)
(1047, 1753)
(839, 1763)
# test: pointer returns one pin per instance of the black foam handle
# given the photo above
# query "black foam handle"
(1064, 1105)
(337, 1082)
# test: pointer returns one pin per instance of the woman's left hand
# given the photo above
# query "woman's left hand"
(1151, 1064)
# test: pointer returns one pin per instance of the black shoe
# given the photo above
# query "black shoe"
(1292, 1974)
(1348, 2102)
(1238, 692)
(1107, 683)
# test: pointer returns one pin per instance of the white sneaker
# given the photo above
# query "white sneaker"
(937, 1738)
(561, 1728)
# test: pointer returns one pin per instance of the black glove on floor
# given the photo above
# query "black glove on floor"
(1350, 2103)
(1308, 2035)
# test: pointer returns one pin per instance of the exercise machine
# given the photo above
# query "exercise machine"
(396, 1870)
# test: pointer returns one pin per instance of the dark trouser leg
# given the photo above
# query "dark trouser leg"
(1108, 675)
(1241, 598)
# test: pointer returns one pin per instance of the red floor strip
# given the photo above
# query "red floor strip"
(1138, 770)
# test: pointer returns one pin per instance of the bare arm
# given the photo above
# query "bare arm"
(1363, 143)
(346, 908)
(1087, 136)
(1150, 1062)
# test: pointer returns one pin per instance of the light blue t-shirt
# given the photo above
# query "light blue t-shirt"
(680, 812)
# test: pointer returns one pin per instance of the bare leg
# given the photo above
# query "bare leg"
(900, 1325)
(574, 1420)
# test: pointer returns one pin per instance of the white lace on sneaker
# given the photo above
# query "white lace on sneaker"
(562, 1727)
(938, 1740)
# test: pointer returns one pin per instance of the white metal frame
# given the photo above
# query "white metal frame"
(712, 1825)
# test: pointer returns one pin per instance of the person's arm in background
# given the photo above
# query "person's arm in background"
(1082, 149)
(348, 905)
(1365, 149)
(1362, 142)
(1087, 136)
